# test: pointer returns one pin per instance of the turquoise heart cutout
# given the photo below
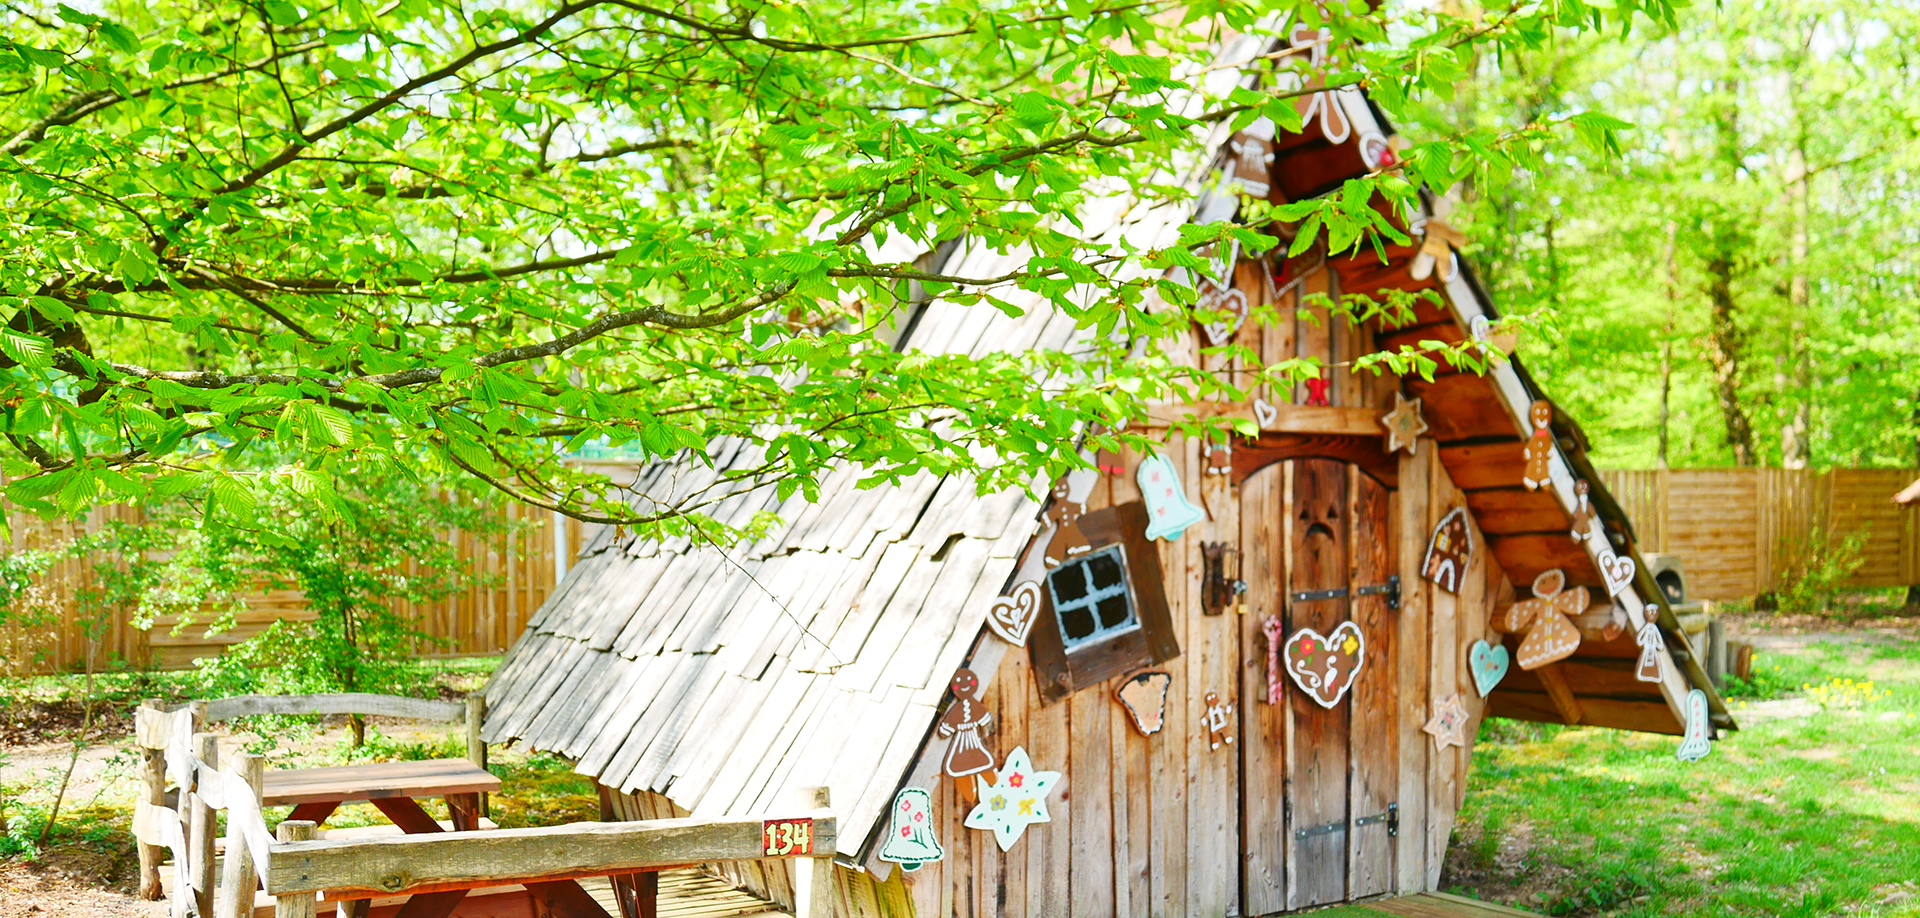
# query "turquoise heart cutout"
(1489, 665)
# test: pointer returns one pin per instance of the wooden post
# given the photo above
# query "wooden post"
(1717, 653)
(239, 876)
(149, 724)
(813, 876)
(201, 828)
(476, 747)
(304, 904)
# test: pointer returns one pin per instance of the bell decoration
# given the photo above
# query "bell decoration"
(1169, 513)
(910, 840)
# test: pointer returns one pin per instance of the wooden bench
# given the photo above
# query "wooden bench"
(175, 746)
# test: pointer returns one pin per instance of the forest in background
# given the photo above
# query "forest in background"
(1738, 286)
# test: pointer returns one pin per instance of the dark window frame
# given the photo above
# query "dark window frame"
(1061, 672)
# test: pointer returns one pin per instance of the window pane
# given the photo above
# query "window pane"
(1105, 571)
(1078, 624)
(1069, 584)
(1114, 611)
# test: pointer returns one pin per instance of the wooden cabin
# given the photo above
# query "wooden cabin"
(1223, 673)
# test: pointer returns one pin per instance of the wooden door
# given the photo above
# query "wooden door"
(1318, 782)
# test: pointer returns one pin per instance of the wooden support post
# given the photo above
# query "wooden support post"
(300, 904)
(201, 828)
(476, 747)
(1717, 653)
(239, 876)
(813, 876)
(153, 788)
(1561, 693)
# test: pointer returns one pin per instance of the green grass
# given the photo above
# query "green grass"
(1801, 817)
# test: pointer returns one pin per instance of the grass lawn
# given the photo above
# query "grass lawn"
(1812, 809)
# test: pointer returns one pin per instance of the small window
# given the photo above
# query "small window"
(1090, 597)
(1103, 613)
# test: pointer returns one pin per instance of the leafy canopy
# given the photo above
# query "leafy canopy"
(253, 242)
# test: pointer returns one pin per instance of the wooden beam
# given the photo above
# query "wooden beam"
(344, 703)
(409, 863)
(1365, 452)
(1324, 420)
(1644, 716)
(1561, 693)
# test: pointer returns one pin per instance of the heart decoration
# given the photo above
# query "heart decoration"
(1615, 570)
(1325, 666)
(1012, 617)
(1217, 300)
(1489, 664)
(1264, 413)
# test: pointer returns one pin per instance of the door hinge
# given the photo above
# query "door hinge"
(1390, 589)
(1314, 595)
(1391, 818)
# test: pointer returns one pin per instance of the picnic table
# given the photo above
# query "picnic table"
(392, 787)
(395, 788)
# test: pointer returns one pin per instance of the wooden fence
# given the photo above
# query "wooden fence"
(517, 570)
(1743, 532)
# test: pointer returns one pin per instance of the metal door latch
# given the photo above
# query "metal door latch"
(1390, 589)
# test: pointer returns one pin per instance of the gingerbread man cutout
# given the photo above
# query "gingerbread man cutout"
(1582, 511)
(1219, 727)
(1064, 513)
(1539, 448)
(1551, 637)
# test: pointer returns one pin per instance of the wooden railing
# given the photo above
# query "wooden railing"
(1743, 532)
(175, 747)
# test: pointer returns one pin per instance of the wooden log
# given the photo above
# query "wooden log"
(1564, 701)
(449, 860)
(237, 878)
(1717, 653)
(296, 904)
(813, 876)
(153, 790)
(200, 827)
(343, 703)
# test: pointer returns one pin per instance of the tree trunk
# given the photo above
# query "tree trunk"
(1666, 343)
(1796, 446)
(1725, 341)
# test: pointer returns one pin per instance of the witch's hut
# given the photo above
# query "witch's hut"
(1220, 680)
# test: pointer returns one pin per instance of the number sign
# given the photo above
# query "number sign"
(787, 837)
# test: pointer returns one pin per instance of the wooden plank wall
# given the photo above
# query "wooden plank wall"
(1742, 532)
(481, 620)
(1154, 825)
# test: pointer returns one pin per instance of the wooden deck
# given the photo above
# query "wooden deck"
(1425, 905)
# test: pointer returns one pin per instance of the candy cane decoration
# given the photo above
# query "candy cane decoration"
(1272, 628)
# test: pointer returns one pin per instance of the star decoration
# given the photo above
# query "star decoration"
(1015, 800)
(1448, 723)
(1404, 424)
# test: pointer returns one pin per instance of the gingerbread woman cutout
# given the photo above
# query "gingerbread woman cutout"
(1539, 448)
(964, 720)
